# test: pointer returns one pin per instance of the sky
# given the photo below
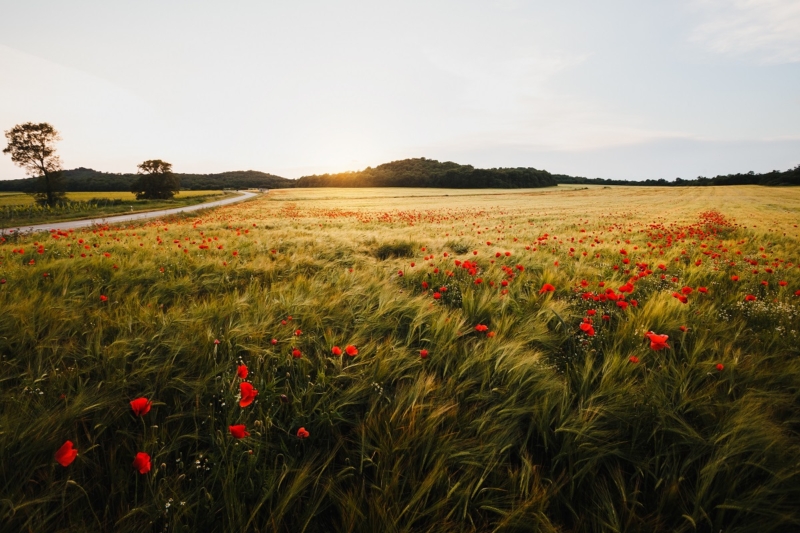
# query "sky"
(613, 89)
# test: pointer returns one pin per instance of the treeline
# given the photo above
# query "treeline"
(422, 172)
(418, 172)
(774, 178)
(86, 179)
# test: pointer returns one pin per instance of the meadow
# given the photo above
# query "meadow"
(20, 209)
(570, 359)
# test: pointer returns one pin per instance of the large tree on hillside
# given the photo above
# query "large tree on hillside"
(155, 181)
(31, 147)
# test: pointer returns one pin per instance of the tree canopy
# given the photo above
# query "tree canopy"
(32, 147)
(156, 181)
(422, 172)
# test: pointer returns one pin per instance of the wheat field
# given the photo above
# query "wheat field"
(571, 359)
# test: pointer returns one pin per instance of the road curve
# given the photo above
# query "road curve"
(116, 219)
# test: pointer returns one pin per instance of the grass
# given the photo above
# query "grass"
(19, 209)
(530, 425)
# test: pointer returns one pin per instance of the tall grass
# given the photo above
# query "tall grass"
(536, 427)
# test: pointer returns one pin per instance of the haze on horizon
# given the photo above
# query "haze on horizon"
(626, 90)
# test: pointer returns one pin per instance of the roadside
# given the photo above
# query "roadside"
(142, 215)
(14, 215)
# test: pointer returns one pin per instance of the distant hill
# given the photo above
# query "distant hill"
(774, 178)
(422, 172)
(417, 172)
(86, 179)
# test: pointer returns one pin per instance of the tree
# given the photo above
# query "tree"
(155, 181)
(31, 147)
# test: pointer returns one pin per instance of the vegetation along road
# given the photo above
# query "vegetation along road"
(73, 224)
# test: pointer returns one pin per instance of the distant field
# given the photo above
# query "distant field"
(26, 199)
(572, 359)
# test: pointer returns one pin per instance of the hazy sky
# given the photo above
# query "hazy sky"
(613, 89)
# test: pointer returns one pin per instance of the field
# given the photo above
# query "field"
(20, 209)
(19, 198)
(571, 359)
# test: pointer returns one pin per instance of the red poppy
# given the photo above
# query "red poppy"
(683, 329)
(103, 298)
(216, 341)
(66, 454)
(238, 431)
(547, 288)
(351, 350)
(587, 328)
(242, 371)
(490, 334)
(336, 350)
(141, 406)
(687, 290)
(423, 353)
(437, 295)
(481, 328)
(657, 342)
(248, 394)
(274, 342)
(720, 367)
(633, 359)
(296, 353)
(782, 283)
(142, 462)
(302, 433)
(734, 278)
(298, 332)
(750, 298)
(702, 289)
(797, 293)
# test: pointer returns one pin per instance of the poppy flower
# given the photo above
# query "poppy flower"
(547, 288)
(683, 329)
(248, 394)
(481, 328)
(238, 431)
(274, 342)
(336, 350)
(298, 333)
(702, 289)
(437, 295)
(490, 334)
(734, 278)
(141, 406)
(657, 342)
(750, 298)
(351, 350)
(302, 433)
(142, 462)
(423, 353)
(216, 341)
(66, 454)
(782, 283)
(587, 328)
(720, 367)
(633, 359)
(103, 298)
(241, 371)
(296, 353)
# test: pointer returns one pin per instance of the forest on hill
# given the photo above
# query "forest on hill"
(86, 179)
(422, 172)
(416, 172)
(774, 178)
